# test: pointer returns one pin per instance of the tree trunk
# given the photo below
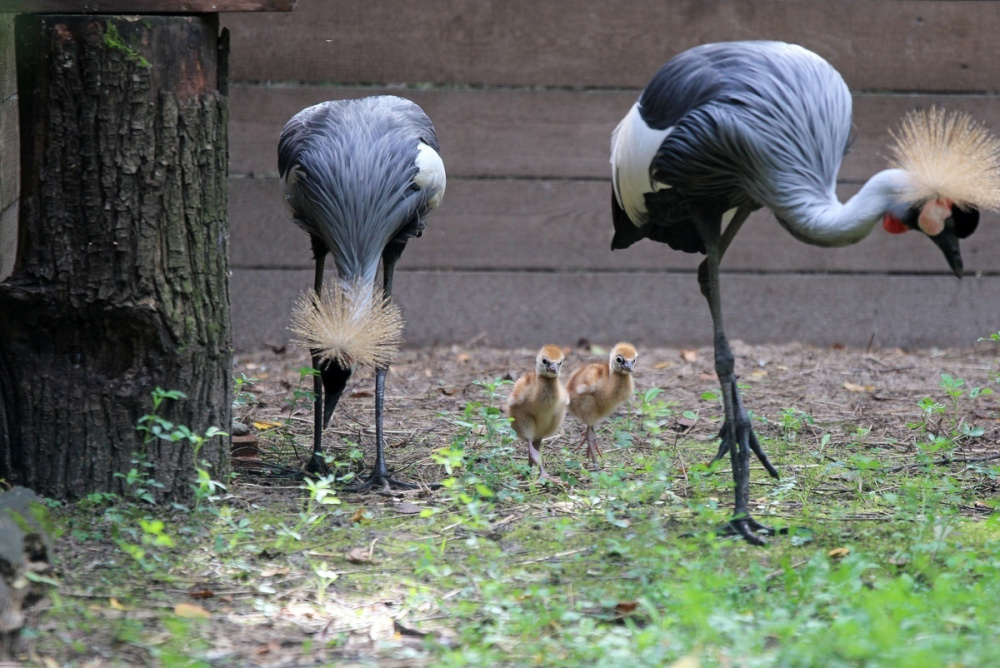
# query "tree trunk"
(120, 284)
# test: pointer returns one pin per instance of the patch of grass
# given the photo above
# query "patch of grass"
(622, 567)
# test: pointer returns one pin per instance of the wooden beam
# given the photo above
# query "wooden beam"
(147, 7)
(516, 308)
(898, 45)
(541, 133)
(483, 225)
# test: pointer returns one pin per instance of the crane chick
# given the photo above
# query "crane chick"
(538, 404)
(597, 389)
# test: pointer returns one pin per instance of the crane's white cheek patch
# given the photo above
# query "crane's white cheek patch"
(933, 216)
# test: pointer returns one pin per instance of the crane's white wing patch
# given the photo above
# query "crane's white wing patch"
(633, 147)
(430, 174)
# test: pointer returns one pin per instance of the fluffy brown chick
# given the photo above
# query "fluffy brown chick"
(538, 404)
(597, 389)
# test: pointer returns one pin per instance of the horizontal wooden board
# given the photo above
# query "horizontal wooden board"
(900, 45)
(511, 309)
(540, 225)
(543, 134)
(144, 7)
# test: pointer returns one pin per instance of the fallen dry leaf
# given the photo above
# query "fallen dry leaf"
(359, 515)
(839, 552)
(270, 572)
(854, 387)
(663, 365)
(270, 648)
(114, 604)
(407, 508)
(686, 423)
(689, 355)
(264, 425)
(359, 555)
(201, 593)
(626, 607)
(361, 394)
(464, 357)
(191, 611)
(686, 662)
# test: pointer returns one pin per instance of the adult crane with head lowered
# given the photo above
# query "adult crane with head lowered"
(358, 176)
(724, 129)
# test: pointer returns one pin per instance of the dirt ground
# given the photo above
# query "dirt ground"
(841, 389)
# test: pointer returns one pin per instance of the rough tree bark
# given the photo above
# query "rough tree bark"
(121, 279)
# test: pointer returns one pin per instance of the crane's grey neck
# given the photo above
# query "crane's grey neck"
(825, 221)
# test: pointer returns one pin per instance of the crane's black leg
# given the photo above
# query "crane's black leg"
(736, 434)
(317, 465)
(380, 476)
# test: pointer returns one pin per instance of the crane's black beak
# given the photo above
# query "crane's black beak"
(961, 224)
(335, 379)
(947, 241)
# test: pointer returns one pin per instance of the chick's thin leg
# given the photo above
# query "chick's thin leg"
(593, 449)
(535, 459)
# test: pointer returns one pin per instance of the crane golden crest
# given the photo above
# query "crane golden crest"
(948, 156)
(349, 325)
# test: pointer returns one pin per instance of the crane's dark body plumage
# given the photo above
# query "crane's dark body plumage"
(358, 176)
(747, 120)
(722, 130)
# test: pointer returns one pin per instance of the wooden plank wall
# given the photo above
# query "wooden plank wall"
(524, 95)
(9, 147)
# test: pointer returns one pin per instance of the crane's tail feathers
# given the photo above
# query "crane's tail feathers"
(949, 155)
(348, 325)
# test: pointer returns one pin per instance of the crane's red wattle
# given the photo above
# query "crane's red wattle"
(893, 225)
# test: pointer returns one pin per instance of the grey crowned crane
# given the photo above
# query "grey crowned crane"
(358, 176)
(724, 129)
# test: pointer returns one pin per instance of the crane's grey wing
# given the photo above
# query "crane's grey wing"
(746, 124)
(354, 174)
(773, 121)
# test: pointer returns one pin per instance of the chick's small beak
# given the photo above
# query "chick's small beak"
(947, 241)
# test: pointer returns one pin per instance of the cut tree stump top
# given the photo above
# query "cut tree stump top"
(146, 7)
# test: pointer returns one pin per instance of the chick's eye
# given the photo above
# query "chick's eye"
(544, 361)
(620, 359)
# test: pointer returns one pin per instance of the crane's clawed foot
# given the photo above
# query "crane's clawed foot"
(544, 477)
(750, 530)
(317, 466)
(725, 445)
(383, 484)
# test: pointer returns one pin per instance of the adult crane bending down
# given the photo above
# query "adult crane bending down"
(724, 129)
(358, 176)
